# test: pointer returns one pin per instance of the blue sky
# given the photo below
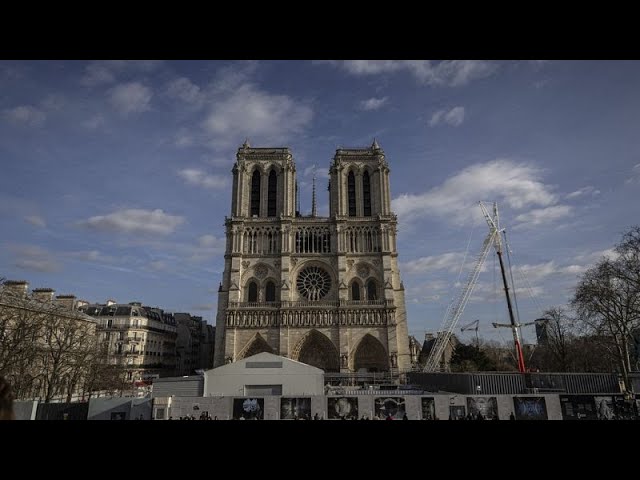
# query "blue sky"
(115, 175)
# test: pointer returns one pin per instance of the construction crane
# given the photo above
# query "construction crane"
(456, 308)
(526, 324)
(472, 326)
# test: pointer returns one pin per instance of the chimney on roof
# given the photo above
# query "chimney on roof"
(68, 302)
(43, 294)
(18, 288)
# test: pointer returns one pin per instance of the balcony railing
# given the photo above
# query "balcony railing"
(313, 303)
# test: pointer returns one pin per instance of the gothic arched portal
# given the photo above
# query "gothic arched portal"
(256, 345)
(317, 350)
(370, 356)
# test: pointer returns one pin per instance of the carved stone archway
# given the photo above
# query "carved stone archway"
(317, 350)
(370, 356)
(256, 345)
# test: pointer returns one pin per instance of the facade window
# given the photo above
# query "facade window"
(255, 194)
(351, 192)
(372, 291)
(253, 292)
(366, 194)
(270, 293)
(272, 194)
(109, 323)
(355, 291)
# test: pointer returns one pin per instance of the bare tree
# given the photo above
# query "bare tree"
(19, 331)
(100, 376)
(628, 251)
(45, 350)
(500, 354)
(560, 328)
(607, 300)
(63, 352)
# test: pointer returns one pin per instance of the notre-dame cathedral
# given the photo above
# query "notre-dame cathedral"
(325, 291)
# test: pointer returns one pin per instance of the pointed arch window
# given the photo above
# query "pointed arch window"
(270, 292)
(355, 291)
(366, 194)
(255, 193)
(372, 290)
(272, 194)
(351, 193)
(253, 292)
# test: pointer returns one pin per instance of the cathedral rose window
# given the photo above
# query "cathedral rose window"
(313, 283)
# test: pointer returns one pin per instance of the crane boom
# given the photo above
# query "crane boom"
(453, 313)
(455, 309)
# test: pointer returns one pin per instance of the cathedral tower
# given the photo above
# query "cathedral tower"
(321, 290)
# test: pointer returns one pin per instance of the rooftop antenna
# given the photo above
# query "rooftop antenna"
(313, 194)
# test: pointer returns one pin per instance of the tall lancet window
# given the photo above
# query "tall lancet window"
(351, 190)
(272, 194)
(255, 194)
(355, 291)
(366, 194)
(252, 295)
(270, 292)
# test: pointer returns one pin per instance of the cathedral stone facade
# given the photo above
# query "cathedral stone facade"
(325, 291)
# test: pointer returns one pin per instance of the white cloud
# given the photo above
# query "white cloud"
(209, 241)
(250, 112)
(542, 216)
(518, 185)
(220, 161)
(136, 221)
(538, 64)
(90, 256)
(453, 117)
(97, 73)
(184, 138)
(34, 258)
(183, 89)
(588, 190)
(589, 258)
(130, 97)
(36, 220)
(208, 247)
(449, 72)
(574, 269)
(450, 261)
(106, 71)
(158, 266)
(230, 77)
(194, 176)
(373, 103)
(635, 175)
(53, 102)
(25, 114)
(94, 122)
(535, 273)
(428, 292)
(320, 172)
